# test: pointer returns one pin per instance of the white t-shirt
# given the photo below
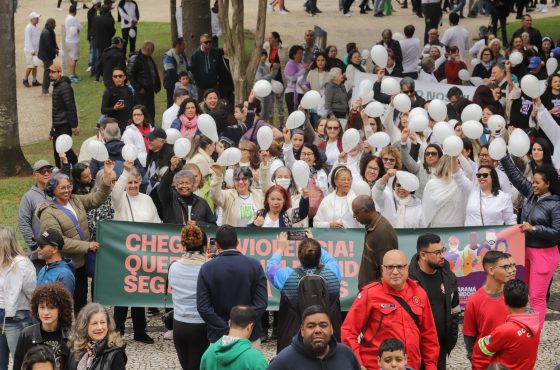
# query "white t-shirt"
(31, 40)
(247, 210)
(332, 152)
(169, 116)
(456, 36)
(69, 207)
(270, 223)
(3, 273)
(71, 21)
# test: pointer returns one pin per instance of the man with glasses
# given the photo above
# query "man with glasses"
(395, 307)
(430, 269)
(407, 87)
(486, 308)
(117, 100)
(204, 65)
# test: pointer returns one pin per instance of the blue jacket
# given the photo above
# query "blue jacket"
(228, 280)
(62, 271)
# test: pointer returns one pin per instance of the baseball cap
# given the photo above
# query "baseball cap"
(51, 237)
(55, 68)
(534, 62)
(157, 133)
(40, 164)
(116, 40)
(34, 15)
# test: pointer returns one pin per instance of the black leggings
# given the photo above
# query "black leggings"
(290, 103)
(190, 343)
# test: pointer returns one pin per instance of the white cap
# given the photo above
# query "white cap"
(34, 15)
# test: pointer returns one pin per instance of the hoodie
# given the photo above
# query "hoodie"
(298, 357)
(514, 343)
(62, 271)
(232, 353)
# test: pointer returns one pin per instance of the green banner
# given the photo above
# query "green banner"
(134, 257)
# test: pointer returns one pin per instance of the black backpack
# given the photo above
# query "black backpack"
(312, 290)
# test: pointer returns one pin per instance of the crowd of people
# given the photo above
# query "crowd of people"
(411, 318)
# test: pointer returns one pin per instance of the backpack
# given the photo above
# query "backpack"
(312, 290)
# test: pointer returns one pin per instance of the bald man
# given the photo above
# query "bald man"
(380, 237)
(395, 307)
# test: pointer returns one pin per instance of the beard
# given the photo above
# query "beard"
(435, 266)
(316, 349)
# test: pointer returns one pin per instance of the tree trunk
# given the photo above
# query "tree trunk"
(173, 19)
(196, 21)
(242, 72)
(13, 162)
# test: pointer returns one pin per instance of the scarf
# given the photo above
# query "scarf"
(188, 127)
(401, 205)
(357, 66)
(487, 65)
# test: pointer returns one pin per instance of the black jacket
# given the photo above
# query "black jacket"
(31, 336)
(139, 72)
(113, 358)
(91, 13)
(63, 104)
(111, 96)
(543, 214)
(161, 158)
(481, 71)
(103, 31)
(298, 357)
(175, 207)
(111, 58)
(452, 308)
(204, 67)
(48, 47)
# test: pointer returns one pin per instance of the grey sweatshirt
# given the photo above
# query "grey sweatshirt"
(28, 223)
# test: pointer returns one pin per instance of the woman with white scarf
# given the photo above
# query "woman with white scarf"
(351, 160)
(400, 207)
(443, 203)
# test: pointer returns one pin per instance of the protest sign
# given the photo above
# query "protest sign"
(134, 258)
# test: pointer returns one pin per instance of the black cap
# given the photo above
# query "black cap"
(116, 40)
(157, 133)
(51, 237)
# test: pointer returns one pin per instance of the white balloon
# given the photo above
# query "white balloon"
(464, 75)
(97, 150)
(277, 87)
(295, 119)
(453, 145)
(408, 181)
(182, 147)
(418, 123)
(442, 131)
(365, 54)
(516, 58)
(474, 62)
(230, 157)
(437, 110)
(360, 187)
(300, 173)
(418, 111)
(228, 178)
(496, 122)
(129, 152)
(142, 158)
(551, 65)
(398, 36)
(402, 102)
(472, 112)
(37, 62)
(530, 86)
(365, 87)
(367, 97)
(497, 149)
(350, 139)
(264, 137)
(379, 55)
(63, 143)
(72, 31)
(379, 140)
(390, 86)
(477, 81)
(311, 99)
(375, 109)
(472, 129)
(172, 135)
(262, 88)
(452, 122)
(132, 33)
(519, 143)
(207, 126)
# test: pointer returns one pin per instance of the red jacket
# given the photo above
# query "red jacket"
(374, 304)
(514, 343)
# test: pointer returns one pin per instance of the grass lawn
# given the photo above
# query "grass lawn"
(547, 26)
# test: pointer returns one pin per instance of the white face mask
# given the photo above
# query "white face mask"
(285, 183)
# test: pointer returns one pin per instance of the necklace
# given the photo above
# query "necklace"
(242, 197)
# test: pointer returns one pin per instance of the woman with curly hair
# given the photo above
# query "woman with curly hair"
(189, 329)
(51, 306)
(95, 343)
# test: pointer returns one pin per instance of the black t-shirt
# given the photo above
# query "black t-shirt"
(521, 112)
(550, 101)
(54, 340)
(436, 294)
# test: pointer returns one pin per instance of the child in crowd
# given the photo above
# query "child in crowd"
(185, 83)
(392, 355)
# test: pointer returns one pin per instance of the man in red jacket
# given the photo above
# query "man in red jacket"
(397, 308)
(515, 343)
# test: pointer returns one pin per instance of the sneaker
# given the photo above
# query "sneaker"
(283, 11)
(26, 83)
(379, 14)
(45, 94)
(168, 335)
(544, 10)
(346, 14)
(85, 6)
(152, 312)
(144, 338)
(36, 83)
(59, 9)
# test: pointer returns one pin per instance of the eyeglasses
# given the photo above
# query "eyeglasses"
(137, 114)
(241, 179)
(184, 183)
(437, 253)
(483, 175)
(431, 154)
(305, 154)
(118, 76)
(410, 92)
(44, 171)
(332, 127)
(483, 156)
(67, 187)
(389, 160)
(509, 267)
(391, 268)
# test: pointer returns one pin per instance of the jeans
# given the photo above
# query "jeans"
(459, 7)
(93, 57)
(540, 264)
(12, 327)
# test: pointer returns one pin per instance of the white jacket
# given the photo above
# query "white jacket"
(141, 209)
(19, 284)
(132, 136)
(387, 206)
(326, 212)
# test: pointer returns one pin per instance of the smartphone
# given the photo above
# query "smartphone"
(296, 235)
(212, 246)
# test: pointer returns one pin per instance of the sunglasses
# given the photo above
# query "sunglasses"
(431, 154)
(390, 160)
(483, 175)
(206, 42)
(118, 76)
(332, 127)
(44, 171)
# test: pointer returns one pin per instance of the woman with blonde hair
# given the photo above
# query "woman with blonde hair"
(95, 343)
(16, 287)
